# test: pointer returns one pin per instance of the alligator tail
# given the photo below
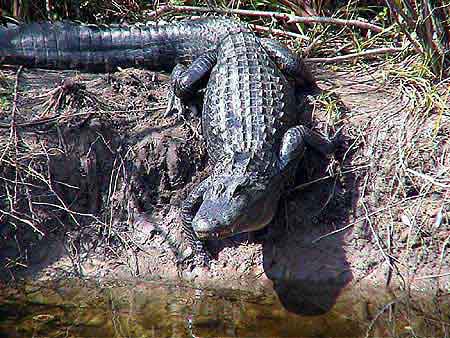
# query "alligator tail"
(66, 45)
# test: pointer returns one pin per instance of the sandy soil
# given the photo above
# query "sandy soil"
(94, 190)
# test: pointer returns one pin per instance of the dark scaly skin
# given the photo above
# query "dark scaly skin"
(66, 45)
(250, 123)
(250, 120)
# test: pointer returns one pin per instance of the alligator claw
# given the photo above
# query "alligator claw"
(194, 259)
(203, 259)
(175, 106)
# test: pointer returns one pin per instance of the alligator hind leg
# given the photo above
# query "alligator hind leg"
(289, 63)
(294, 141)
(186, 81)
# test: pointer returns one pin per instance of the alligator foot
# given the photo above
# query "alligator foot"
(202, 257)
(177, 107)
(197, 256)
(177, 103)
(195, 265)
(185, 82)
(174, 105)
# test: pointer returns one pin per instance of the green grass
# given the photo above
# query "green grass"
(4, 103)
(6, 96)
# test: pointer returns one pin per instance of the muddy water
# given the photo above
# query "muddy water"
(155, 309)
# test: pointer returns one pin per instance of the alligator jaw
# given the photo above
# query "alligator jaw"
(204, 235)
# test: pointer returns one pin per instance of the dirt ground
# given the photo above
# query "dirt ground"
(92, 187)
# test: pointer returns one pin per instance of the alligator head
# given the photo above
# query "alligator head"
(235, 204)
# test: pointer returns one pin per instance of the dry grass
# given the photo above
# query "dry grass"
(402, 157)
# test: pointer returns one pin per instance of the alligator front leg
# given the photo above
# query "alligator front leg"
(189, 208)
(186, 81)
(294, 141)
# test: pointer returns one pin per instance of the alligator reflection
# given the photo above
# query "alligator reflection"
(154, 309)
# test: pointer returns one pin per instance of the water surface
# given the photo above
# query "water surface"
(157, 309)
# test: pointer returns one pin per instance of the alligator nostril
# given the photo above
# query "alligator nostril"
(201, 225)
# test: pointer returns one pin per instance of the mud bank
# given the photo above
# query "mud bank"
(92, 176)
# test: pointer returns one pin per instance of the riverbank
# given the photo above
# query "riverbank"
(92, 187)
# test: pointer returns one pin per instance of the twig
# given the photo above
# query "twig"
(428, 178)
(275, 15)
(307, 184)
(342, 58)
(335, 21)
(22, 183)
(16, 94)
(23, 220)
(50, 186)
(373, 321)
(433, 276)
(39, 121)
(393, 8)
(280, 32)
(373, 213)
(70, 211)
(387, 257)
(14, 136)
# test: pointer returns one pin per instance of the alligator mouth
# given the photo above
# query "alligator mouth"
(214, 234)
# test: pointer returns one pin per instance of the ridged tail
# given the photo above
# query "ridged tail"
(66, 45)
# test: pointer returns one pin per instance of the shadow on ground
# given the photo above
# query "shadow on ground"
(309, 274)
(309, 271)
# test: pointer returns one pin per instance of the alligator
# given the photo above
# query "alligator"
(251, 119)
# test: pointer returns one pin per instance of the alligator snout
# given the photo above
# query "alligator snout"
(209, 229)
(201, 226)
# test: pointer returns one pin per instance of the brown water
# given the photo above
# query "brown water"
(155, 309)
